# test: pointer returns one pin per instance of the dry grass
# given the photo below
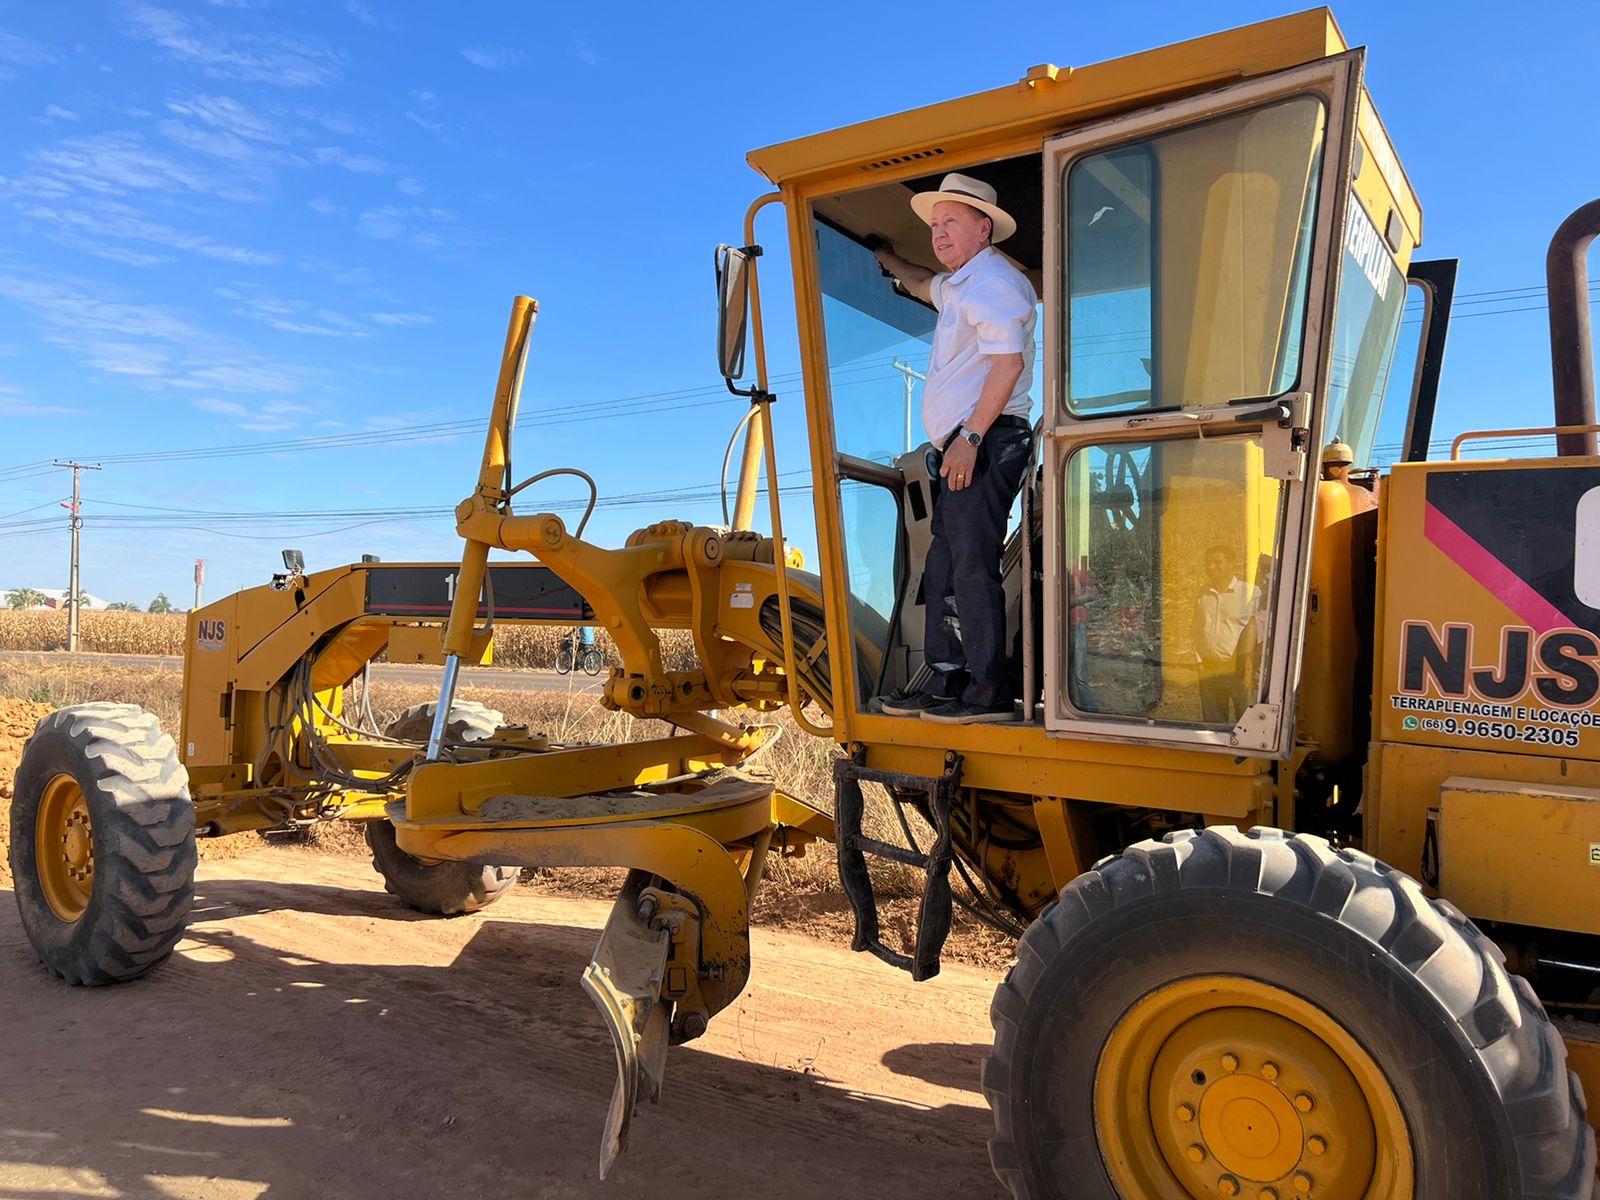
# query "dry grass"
(801, 893)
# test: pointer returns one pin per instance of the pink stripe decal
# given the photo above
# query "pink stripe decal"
(1501, 581)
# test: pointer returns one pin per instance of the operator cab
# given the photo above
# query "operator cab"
(1222, 276)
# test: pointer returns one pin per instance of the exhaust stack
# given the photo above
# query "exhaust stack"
(1571, 348)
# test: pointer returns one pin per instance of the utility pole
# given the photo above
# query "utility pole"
(77, 524)
(199, 579)
(906, 370)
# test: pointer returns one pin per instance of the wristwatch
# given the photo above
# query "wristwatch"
(972, 436)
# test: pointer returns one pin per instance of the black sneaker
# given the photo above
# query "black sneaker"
(959, 712)
(909, 704)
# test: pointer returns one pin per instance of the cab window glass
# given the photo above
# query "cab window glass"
(1372, 298)
(1186, 262)
(1170, 549)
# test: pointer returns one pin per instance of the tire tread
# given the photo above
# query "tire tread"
(1497, 1014)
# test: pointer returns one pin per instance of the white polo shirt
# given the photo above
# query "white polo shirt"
(1220, 619)
(987, 307)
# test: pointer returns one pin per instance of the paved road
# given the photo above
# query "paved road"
(505, 678)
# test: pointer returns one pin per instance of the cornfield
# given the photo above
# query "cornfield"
(102, 632)
(162, 633)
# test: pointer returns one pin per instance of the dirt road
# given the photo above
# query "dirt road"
(312, 1039)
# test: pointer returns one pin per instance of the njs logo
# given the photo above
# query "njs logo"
(1561, 666)
(211, 633)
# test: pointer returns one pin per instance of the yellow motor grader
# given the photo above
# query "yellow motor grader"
(1325, 925)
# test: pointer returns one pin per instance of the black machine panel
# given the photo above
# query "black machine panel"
(520, 592)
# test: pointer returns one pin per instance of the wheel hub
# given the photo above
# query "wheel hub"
(1234, 1088)
(64, 848)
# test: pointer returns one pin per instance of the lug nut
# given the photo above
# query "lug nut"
(1230, 1062)
(1196, 1153)
(694, 1024)
(1302, 1182)
(1304, 1102)
(1317, 1145)
(1228, 1185)
(1269, 1070)
(1185, 1113)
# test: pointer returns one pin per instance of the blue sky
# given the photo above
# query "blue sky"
(242, 222)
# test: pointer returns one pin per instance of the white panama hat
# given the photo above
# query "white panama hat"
(964, 189)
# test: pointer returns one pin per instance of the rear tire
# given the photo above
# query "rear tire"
(449, 888)
(1091, 1091)
(102, 843)
(469, 722)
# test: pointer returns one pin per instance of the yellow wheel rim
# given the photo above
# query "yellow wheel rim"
(64, 848)
(1220, 1086)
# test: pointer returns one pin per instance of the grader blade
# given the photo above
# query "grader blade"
(624, 980)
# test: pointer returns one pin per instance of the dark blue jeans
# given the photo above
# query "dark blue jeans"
(964, 636)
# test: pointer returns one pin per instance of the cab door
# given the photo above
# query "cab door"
(1192, 255)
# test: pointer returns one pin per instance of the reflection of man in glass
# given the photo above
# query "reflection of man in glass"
(1221, 614)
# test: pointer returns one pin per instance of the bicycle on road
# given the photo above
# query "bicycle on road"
(573, 653)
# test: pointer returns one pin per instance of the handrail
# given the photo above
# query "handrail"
(760, 440)
(1544, 431)
(744, 505)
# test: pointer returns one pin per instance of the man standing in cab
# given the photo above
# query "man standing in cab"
(975, 406)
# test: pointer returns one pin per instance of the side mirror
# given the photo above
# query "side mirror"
(733, 310)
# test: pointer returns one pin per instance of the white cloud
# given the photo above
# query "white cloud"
(333, 122)
(228, 408)
(144, 342)
(582, 51)
(227, 114)
(14, 403)
(410, 187)
(391, 221)
(24, 52)
(348, 276)
(321, 204)
(290, 316)
(284, 60)
(361, 164)
(423, 122)
(383, 223)
(118, 163)
(110, 219)
(492, 58)
(55, 112)
(399, 318)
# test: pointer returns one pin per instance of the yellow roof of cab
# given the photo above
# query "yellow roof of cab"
(1048, 98)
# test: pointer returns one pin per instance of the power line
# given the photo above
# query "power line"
(643, 403)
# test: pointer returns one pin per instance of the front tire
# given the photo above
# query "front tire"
(449, 888)
(445, 889)
(1229, 1013)
(102, 843)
